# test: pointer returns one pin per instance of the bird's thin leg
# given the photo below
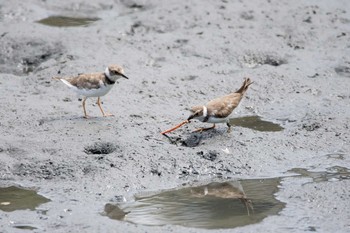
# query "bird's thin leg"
(204, 129)
(85, 115)
(99, 105)
(229, 127)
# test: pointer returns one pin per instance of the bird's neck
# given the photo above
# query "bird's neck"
(205, 111)
(109, 78)
(204, 117)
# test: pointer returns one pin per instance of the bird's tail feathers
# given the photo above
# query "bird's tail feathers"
(64, 80)
(247, 82)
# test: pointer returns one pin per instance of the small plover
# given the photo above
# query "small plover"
(94, 84)
(218, 110)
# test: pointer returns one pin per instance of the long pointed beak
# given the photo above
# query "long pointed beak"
(124, 76)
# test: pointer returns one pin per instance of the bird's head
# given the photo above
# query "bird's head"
(196, 112)
(115, 72)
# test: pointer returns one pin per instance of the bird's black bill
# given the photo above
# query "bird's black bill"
(124, 76)
(190, 117)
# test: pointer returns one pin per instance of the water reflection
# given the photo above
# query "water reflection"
(255, 122)
(14, 198)
(64, 21)
(335, 173)
(212, 206)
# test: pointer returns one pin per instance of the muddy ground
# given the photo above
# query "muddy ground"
(177, 54)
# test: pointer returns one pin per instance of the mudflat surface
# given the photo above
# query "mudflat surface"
(177, 54)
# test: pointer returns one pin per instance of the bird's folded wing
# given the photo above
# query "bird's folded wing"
(222, 107)
(87, 81)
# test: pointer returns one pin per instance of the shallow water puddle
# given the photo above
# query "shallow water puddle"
(64, 21)
(24, 227)
(212, 206)
(255, 122)
(335, 173)
(13, 198)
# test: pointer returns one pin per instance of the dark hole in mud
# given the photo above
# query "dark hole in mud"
(335, 173)
(255, 122)
(136, 6)
(14, 198)
(100, 148)
(211, 206)
(64, 21)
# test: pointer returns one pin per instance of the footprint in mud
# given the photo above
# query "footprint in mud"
(311, 126)
(193, 140)
(210, 155)
(161, 27)
(247, 15)
(134, 5)
(138, 28)
(255, 59)
(343, 71)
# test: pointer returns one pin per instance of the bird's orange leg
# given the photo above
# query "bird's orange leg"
(204, 129)
(85, 115)
(99, 105)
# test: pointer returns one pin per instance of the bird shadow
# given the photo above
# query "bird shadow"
(75, 118)
(194, 139)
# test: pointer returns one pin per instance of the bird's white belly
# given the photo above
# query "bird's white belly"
(213, 120)
(101, 91)
(217, 120)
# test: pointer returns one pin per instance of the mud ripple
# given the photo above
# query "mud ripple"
(43, 170)
(25, 55)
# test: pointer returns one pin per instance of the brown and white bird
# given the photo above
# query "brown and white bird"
(218, 110)
(94, 84)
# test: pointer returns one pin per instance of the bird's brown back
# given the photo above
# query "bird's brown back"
(223, 106)
(90, 81)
